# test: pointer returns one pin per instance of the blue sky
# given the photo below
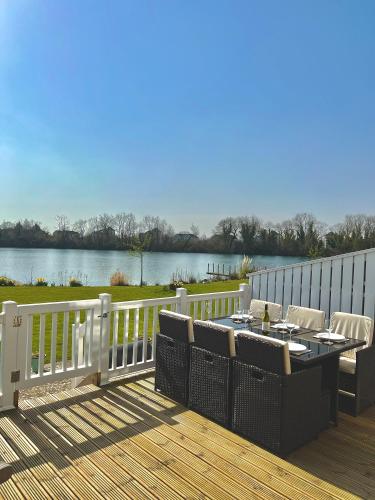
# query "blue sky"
(188, 110)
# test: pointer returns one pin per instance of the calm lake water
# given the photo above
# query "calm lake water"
(95, 267)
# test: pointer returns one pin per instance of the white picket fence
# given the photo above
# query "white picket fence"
(92, 335)
(341, 283)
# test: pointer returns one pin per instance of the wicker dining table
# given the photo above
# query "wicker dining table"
(318, 352)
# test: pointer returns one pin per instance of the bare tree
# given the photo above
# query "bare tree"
(62, 223)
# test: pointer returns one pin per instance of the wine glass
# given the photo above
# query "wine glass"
(290, 330)
(329, 341)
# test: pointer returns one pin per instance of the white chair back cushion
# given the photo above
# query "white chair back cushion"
(306, 317)
(183, 317)
(275, 342)
(353, 326)
(275, 311)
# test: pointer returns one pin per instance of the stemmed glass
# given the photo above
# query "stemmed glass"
(290, 330)
(329, 341)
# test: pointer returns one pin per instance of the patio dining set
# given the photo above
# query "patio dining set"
(279, 387)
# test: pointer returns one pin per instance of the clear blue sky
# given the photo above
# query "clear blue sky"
(191, 110)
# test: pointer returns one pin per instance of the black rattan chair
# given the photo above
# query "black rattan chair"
(357, 367)
(210, 371)
(172, 359)
(272, 406)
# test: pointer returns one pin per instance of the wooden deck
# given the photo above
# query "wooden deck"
(125, 441)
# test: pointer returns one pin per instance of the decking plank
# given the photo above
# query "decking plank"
(269, 465)
(126, 441)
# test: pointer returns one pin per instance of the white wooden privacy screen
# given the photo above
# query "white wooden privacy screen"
(341, 283)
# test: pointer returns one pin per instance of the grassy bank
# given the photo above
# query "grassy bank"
(33, 295)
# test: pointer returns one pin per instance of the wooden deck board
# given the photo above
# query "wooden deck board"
(126, 441)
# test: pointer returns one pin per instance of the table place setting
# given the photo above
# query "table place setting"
(330, 337)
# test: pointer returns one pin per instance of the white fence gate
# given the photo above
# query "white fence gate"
(91, 337)
(341, 283)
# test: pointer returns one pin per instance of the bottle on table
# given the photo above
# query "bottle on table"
(266, 324)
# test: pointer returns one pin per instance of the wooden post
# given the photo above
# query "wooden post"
(105, 327)
(181, 293)
(9, 367)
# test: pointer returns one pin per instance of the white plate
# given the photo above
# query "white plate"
(237, 317)
(247, 316)
(284, 326)
(295, 347)
(330, 336)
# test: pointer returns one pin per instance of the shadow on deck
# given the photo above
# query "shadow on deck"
(126, 441)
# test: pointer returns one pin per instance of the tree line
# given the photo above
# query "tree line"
(302, 235)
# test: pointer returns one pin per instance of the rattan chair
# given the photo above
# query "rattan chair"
(357, 367)
(272, 406)
(306, 318)
(172, 359)
(275, 311)
(210, 371)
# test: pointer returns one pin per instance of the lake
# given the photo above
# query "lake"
(94, 267)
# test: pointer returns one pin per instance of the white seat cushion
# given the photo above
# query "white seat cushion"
(347, 365)
(275, 311)
(306, 317)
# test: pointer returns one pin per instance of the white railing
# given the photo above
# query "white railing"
(44, 343)
(341, 283)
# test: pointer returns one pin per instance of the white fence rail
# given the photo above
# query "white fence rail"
(341, 283)
(44, 343)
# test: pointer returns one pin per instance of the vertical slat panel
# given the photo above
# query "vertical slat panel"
(145, 333)
(325, 288)
(271, 286)
(306, 282)
(255, 283)
(115, 339)
(154, 327)
(89, 335)
(229, 306)
(136, 336)
(279, 286)
(195, 310)
(65, 341)
(30, 322)
(347, 281)
(358, 281)
(315, 285)
(263, 286)
(53, 342)
(336, 285)
(217, 308)
(222, 310)
(288, 279)
(125, 340)
(203, 309)
(369, 303)
(296, 292)
(42, 333)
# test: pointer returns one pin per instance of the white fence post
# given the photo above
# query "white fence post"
(105, 330)
(9, 368)
(181, 294)
(245, 296)
(81, 330)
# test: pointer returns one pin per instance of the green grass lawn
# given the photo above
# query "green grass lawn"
(33, 295)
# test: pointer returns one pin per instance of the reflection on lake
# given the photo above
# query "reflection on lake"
(96, 266)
